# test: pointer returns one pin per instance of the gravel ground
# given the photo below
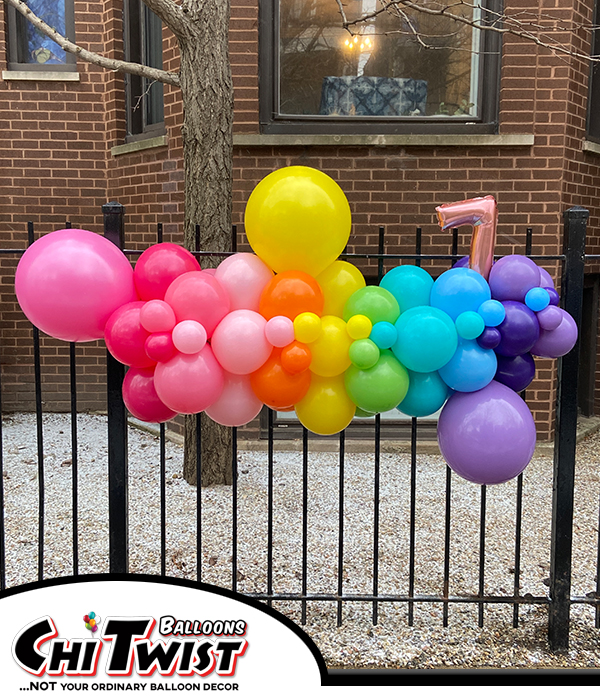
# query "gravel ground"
(357, 642)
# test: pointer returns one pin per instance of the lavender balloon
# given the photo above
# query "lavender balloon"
(515, 372)
(512, 277)
(545, 279)
(557, 342)
(549, 318)
(487, 436)
(519, 330)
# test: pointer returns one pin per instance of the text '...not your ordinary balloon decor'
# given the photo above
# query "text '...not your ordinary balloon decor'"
(294, 328)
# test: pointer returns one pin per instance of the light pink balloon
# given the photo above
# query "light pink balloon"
(244, 276)
(69, 282)
(157, 316)
(189, 337)
(189, 383)
(280, 331)
(239, 342)
(141, 399)
(196, 296)
(237, 405)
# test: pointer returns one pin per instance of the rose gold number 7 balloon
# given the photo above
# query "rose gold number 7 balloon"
(482, 214)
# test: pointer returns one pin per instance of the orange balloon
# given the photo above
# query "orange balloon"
(296, 357)
(291, 293)
(277, 388)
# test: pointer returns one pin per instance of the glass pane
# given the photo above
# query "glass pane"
(153, 58)
(35, 47)
(411, 64)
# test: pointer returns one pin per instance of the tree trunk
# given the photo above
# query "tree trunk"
(207, 91)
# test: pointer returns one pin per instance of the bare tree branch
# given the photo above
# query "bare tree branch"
(171, 14)
(91, 57)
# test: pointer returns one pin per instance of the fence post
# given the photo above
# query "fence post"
(117, 427)
(565, 438)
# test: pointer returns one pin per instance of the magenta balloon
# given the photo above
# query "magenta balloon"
(157, 316)
(126, 338)
(141, 399)
(240, 343)
(557, 342)
(158, 266)
(159, 347)
(197, 296)
(244, 276)
(189, 383)
(69, 282)
(512, 277)
(237, 404)
(487, 436)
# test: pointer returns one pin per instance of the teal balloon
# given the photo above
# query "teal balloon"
(380, 388)
(470, 325)
(472, 368)
(375, 303)
(410, 285)
(427, 393)
(363, 353)
(384, 335)
(458, 290)
(427, 339)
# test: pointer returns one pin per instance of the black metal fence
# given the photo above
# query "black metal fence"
(558, 601)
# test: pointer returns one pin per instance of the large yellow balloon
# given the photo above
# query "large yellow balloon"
(330, 352)
(338, 282)
(326, 408)
(298, 218)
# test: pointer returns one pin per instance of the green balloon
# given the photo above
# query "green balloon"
(359, 413)
(376, 303)
(363, 353)
(427, 393)
(380, 388)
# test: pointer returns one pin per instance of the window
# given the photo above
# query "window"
(29, 49)
(411, 73)
(143, 44)
(593, 121)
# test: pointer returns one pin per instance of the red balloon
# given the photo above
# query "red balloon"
(141, 399)
(197, 296)
(126, 338)
(159, 347)
(158, 266)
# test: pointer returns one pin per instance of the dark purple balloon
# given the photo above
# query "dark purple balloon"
(489, 339)
(515, 372)
(519, 330)
(558, 342)
(487, 436)
(512, 277)
(463, 262)
(554, 297)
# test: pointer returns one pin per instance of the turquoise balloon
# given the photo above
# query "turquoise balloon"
(472, 368)
(410, 285)
(427, 393)
(380, 388)
(427, 339)
(459, 289)
(375, 303)
(384, 335)
(470, 325)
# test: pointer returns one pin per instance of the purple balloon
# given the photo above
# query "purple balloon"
(512, 277)
(558, 342)
(463, 262)
(487, 436)
(545, 279)
(554, 298)
(489, 339)
(515, 372)
(519, 330)
(549, 318)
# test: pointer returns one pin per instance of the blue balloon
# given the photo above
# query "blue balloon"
(459, 289)
(427, 393)
(384, 335)
(537, 298)
(409, 284)
(492, 312)
(427, 339)
(472, 367)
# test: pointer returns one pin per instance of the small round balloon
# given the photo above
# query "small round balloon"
(141, 399)
(557, 342)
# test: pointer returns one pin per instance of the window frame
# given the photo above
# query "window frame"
(594, 83)
(273, 123)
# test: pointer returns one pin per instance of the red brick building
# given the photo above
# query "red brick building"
(480, 114)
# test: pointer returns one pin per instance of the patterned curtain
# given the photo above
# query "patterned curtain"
(41, 49)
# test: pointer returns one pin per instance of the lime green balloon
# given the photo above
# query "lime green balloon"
(427, 393)
(376, 303)
(380, 388)
(363, 353)
(359, 413)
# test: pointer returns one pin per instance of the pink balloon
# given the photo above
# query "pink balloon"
(189, 383)
(141, 399)
(280, 331)
(239, 342)
(244, 276)
(197, 296)
(69, 282)
(237, 405)
(125, 337)
(209, 271)
(159, 347)
(158, 266)
(189, 337)
(157, 316)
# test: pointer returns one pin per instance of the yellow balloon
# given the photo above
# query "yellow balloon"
(359, 327)
(326, 408)
(307, 327)
(330, 352)
(339, 282)
(298, 218)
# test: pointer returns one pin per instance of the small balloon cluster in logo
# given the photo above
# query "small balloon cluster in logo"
(294, 328)
(91, 621)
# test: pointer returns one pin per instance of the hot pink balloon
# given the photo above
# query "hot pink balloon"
(280, 331)
(189, 383)
(189, 337)
(159, 347)
(244, 276)
(158, 266)
(141, 399)
(237, 405)
(157, 316)
(69, 282)
(125, 337)
(197, 296)
(239, 342)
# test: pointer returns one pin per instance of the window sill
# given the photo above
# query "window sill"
(42, 76)
(590, 147)
(143, 145)
(383, 140)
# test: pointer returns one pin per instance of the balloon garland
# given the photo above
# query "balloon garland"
(294, 328)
